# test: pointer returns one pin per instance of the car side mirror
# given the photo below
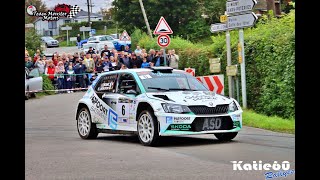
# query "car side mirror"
(131, 91)
(29, 77)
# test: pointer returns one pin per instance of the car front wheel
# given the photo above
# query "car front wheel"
(86, 129)
(148, 132)
(226, 136)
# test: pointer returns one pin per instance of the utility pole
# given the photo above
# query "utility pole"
(271, 6)
(145, 18)
(88, 4)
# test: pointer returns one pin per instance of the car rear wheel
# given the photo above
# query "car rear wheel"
(86, 129)
(226, 136)
(148, 131)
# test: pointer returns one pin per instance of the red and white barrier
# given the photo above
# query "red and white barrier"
(215, 83)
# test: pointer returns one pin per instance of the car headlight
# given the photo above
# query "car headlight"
(175, 108)
(233, 107)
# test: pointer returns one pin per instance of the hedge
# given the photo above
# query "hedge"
(269, 57)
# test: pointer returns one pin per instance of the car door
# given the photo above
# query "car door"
(34, 80)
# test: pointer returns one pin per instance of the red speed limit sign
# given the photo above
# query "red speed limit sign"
(163, 40)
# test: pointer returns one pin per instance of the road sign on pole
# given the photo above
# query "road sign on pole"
(223, 18)
(242, 20)
(67, 28)
(218, 27)
(93, 31)
(162, 27)
(240, 6)
(163, 40)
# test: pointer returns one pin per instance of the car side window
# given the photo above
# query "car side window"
(107, 84)
(34, 73)
(126, 83)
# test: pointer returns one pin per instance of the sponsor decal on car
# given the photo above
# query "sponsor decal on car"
(113, 119)
(169, 119)
(181, 119)
(97, 108)
(201, 97)
(180, 127)
(211, 124)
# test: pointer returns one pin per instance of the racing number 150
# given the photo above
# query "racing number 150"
(123, 109)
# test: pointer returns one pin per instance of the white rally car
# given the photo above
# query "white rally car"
(155, 102)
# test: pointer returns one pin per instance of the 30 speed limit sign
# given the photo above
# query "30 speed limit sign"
(163, 40)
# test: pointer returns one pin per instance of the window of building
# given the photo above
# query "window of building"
(67, 21)
(52, 24)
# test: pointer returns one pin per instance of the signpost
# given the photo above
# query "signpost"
(238, 15)
(215, 65)
(93, 31)
(83, 29)
(67, 28)
(163, 29)
(241, 21)
(240, 6)
(163, 40)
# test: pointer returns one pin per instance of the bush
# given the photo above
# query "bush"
(47, 85)
(32, 42)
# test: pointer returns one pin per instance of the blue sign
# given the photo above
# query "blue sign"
(93, 31)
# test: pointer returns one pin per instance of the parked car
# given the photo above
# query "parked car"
(85, 47)
(49, 41)
(118, 45)
(154, 102)
(33, 82)
(115, 36)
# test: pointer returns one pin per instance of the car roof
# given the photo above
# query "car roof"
(136, 71)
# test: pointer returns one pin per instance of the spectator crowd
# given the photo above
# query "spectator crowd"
(69, 71)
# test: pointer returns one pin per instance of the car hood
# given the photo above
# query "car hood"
(206, 98)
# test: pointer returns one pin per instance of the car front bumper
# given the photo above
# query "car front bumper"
(188, 124)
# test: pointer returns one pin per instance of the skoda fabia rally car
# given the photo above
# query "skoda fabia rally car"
(155, 102)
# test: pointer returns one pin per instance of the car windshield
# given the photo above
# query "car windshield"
(175, 81)
(109, 38)
(48, 38)
(92, 39)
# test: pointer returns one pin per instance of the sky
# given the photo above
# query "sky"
(97, 4)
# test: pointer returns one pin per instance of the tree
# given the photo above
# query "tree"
(183, 16)
(41, 6)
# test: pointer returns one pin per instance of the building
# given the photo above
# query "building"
(262, 6)
(51, 28)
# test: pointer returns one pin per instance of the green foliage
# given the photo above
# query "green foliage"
(270, 62)
(183, 16)
(273, 123)
(32, 41)
(47, 85)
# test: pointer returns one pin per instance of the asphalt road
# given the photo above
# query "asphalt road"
(54, 150)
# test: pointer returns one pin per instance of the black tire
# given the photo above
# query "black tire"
(92, 130)
(27, 95)
(47, 45)
(226, 136)
(154, 137)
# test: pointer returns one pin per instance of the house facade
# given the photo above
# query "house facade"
(51, 28)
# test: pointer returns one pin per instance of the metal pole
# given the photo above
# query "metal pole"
(229, 62)
(67, 37)
(105, 29)
(84, 35)
(237, 84)
(145, 18)
(88, 3)
(243, 71)
(164, 56)
(117, 29)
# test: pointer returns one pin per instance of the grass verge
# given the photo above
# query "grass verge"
(273, 123)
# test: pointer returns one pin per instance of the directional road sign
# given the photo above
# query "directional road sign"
(66, 28)
(83, 28)
(242, 20)
(240, 6)
(218, 27)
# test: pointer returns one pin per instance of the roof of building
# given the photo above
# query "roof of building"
(85, 13)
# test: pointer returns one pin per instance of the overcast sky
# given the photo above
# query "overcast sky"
(97, 4)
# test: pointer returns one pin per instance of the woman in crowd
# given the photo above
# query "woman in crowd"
(60, 74)
(55, 59)
(40, 64)
(50, 71)
(70, 77)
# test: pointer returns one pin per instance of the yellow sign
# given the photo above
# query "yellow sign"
(232, 70)
(240, 59)
(223, 18)
(239, 47)
(215, 67)
(214, 60)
